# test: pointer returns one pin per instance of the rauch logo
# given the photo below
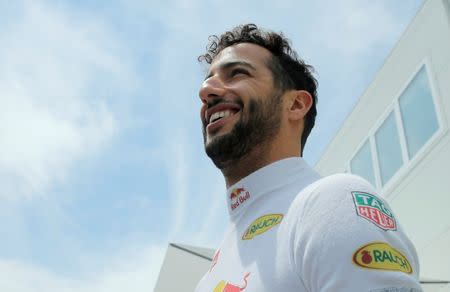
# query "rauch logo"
(375, 210)
(238, 196)
(261, 225)
(381, 256)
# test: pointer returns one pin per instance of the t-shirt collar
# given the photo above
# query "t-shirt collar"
(244, 192)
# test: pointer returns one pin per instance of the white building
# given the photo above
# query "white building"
(397, 136)
(183, 267)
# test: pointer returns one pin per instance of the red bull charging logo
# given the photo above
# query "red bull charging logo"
(227, 287)
(215, 259)
(238, 196)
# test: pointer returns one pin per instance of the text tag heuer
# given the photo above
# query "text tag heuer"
(375, 210)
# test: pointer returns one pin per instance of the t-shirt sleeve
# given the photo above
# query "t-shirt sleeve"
(347, 238)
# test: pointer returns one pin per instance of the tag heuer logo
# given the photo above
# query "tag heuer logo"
(373, 209)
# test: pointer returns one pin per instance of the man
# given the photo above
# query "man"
(290, 230)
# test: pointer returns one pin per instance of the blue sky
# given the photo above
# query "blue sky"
(101, 156)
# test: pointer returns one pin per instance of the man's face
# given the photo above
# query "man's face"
(241, 108)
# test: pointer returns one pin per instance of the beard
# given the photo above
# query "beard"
(255, 128)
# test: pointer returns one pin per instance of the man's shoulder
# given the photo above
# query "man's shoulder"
(329, 191)
(336, 184)
(341, 179)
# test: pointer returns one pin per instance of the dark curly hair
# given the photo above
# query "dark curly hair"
(289, 71)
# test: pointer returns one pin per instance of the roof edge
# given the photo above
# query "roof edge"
(190, 251)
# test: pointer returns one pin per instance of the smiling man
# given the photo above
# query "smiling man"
(290, 229)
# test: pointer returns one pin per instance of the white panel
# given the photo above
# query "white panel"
(181, 271)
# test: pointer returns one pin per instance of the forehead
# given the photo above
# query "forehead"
(253, 54)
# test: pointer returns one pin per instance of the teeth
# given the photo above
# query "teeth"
(219, 115)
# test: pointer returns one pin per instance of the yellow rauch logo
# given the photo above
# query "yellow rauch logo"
(261, 225)
(381, 256)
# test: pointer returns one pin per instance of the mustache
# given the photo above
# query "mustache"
(215, 101)
(218, 100)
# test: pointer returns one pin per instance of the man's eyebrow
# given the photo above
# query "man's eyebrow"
(228, 65)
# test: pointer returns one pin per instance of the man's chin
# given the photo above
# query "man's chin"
(214, 141)
(221, 149)
(212, 138)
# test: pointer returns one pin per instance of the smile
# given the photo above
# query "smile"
(219, 115)
(220, 112)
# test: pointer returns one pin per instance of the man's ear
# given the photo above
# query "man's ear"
(300, 101)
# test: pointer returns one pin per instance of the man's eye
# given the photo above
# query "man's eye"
(237, 71)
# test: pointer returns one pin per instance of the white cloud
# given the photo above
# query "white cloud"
(353, 27)
(131, 270)
(50, 113)
(208, 235)
(177, 167)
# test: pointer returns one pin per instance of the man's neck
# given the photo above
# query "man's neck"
(256, 159)
(242, 168)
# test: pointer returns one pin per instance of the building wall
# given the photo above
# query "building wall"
(419, 192)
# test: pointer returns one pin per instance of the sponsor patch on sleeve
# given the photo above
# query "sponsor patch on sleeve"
(381, 256)
(371, 208)
(261, 225)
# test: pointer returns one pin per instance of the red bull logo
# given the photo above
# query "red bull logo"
(238, 196)
(227, 287)
(236, 192)
(214, 261)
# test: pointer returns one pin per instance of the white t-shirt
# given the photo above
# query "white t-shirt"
(291, 230)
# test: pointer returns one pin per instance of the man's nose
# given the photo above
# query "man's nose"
(211, 88)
